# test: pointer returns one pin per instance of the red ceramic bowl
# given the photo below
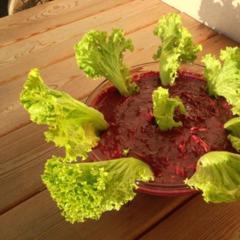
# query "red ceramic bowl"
(153, 187)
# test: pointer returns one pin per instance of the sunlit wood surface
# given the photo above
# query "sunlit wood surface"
(43, 37)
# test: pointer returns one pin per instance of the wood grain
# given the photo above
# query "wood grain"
(49, 16)
(23, 160)
(215, 44)
(39, 218)
(198, 220)
(121, 17)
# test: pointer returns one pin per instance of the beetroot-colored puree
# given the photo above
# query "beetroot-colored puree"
(172, 155)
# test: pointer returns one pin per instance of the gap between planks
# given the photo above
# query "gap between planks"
(194, 196)
(40, 217)
(199, 220)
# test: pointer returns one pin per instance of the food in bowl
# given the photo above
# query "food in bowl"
(133, 131)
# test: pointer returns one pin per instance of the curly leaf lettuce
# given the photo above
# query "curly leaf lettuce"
(86, 190)
(71, 124)
(218, 177)
(224, 79)
(233, 126)
(100, 55)
(176, 47)
(164, 108)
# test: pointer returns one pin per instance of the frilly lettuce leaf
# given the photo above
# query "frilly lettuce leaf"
(224, 79)
(164, 108)
(176, 47)
(86, 190)
(218, 177)
(100, 55)
(71, 124)
(233, 125)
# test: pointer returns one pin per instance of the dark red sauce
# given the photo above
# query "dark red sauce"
(172, 155)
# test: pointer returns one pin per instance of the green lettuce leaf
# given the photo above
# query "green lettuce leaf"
(224, 79)
(100, 55)
(235, 141)
(176, 47)
(233, 125)
(164, 108)
(86, 190)
(71, 124)
(218, 177)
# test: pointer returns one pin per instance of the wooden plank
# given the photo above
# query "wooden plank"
(214, 44)
(38, 218)
(49, 16)
(16, 146)
(16, 54)
(123, 15)
(199, 221)
(22, 164)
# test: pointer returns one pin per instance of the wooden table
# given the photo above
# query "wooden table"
(43, 37)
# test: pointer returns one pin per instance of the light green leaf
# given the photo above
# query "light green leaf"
(224, 79)
(176, 47)
(87, 190)
(164, 108)
(71, 124)
(233, 125)
(235, 141)
(100, 55)
(218, 177)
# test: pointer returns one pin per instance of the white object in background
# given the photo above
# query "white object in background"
(221, 15)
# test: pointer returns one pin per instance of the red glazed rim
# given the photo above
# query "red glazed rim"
(153, 188)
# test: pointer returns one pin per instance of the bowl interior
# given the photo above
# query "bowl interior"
(154, 187)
